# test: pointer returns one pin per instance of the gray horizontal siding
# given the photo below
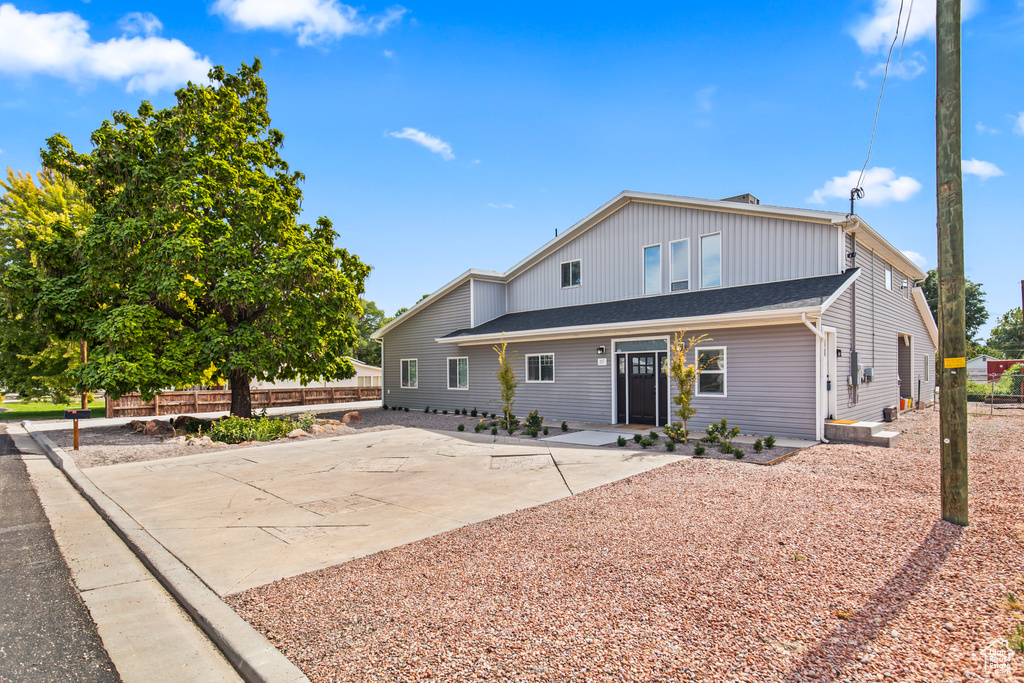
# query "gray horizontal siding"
(754, 249)
(881, 316)
(488, 300)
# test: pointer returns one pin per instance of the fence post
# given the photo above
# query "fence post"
(156, 405)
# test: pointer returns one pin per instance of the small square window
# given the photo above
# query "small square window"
(572, 272)
(540, 367)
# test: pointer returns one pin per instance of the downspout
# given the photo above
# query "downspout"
(821, 336)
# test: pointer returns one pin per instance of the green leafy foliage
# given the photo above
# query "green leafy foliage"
(621, 441)
(494, 431)
(677, 433)
(758, 445)
(369, 321)
(565, 426)
(305, 421)
(637, 437)
(646, 443)
(1007, 335)
(234, 429)
(975, 312)
(698, 449)
(670, 445)
(653, 435)
(194, 256)
(508, 382)
(461, 427)
(534, 421)
(769, 442)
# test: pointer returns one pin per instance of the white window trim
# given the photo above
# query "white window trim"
(400, 380)
(570, 274)
(700, 262)
(887, 277)
(724, 372)
(643, 269)
(448, 374)
(671, 268)
(526, 361)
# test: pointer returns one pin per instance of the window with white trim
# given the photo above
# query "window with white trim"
(711, 372)
(711, 260)
(572, 273)
(458, 373)
(409, 372)
(652, 269)
(888, 277)
(540, 367)
(679, 266)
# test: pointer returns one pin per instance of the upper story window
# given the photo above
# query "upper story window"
(652, 269)
(572, 272)
(679, 255)
(888, 277)
(409, 380)
(711, 260)
(458, 373)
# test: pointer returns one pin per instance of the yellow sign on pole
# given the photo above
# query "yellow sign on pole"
(956, 362)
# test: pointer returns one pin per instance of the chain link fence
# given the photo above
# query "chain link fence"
(994, 395)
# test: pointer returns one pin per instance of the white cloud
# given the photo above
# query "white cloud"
(500, 206)
(905, 69)
(858, 80)
(917, 259)
(880, 186)
(389, 54)
(1018, 124)
(875, 31)
(433, 143)
(983, 129)
(314, 21)
(982, 169)
(58, 44)
(705, 98)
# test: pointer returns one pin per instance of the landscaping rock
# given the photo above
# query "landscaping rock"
(137, 426)
(199, 441)
(297, 433)
(177, 439)
(179, 421)
(349, 418)
(317, 429)
(159, 428)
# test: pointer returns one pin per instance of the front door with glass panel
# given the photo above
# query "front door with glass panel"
(641, 395)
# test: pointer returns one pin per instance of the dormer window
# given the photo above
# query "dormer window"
(571, 273)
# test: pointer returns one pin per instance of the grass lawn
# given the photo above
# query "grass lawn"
(18, 410)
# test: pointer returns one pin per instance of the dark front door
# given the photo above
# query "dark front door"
(643, 383)
(621, 382)
(663, 389)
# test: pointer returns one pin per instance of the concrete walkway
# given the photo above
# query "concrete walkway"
(243, 518)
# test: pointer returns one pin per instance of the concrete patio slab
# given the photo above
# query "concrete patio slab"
(240, 519)
(584, 438)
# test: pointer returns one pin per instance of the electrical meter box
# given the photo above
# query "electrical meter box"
(854, 367)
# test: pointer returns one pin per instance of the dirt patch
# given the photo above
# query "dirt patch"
(833, 565)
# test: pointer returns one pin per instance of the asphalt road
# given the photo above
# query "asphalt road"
(46, 633)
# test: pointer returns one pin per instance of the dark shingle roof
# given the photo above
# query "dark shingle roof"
(770, 296)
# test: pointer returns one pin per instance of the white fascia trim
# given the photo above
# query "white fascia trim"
(926, 315)
(636, 327)
(842, 288)
(471, 274)
(862, 230)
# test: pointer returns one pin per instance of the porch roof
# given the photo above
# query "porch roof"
(786, 298)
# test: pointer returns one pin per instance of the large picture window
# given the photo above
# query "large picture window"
(711, 260)
(679, 254)
(572, 273)
(409, 372)
(540, 367)
(458, 373)
(652, 269)
(711, 364)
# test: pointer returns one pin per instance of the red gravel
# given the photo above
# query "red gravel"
(832, 565)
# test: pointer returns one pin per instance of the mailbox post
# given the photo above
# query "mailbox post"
(77, 415)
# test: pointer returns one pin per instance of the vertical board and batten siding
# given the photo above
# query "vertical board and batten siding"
(754, 249)
(881, 316)
(488, 300)
(414, 338)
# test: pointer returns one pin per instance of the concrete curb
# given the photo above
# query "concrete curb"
(254, 658)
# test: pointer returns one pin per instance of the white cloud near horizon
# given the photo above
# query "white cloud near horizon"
(431, 142)
(982, 169)
(881, 185)
(905, 69)
(58, 44)
(874, 32)
(500, 206)
(983, 129)
(917, 259)
(314, 21)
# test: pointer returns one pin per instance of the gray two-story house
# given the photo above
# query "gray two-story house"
(811, 315)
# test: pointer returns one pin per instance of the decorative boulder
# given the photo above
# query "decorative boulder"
(349, 418)
(296, 433)
(158, 428)
(180, 421)
(317, 429)
(136, 426)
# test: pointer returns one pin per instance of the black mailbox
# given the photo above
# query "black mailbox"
(78, 414)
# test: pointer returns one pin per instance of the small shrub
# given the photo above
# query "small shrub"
(725, 447)
(698, 449)
(738, 452)
(238, 429)
(478, 427)
(427, 409)
(758, 445)
(534, 433)
(444, 412)
(670, 445)
(494, 415)
(384, 406)
(654, 435)
(677, 432)
(637, 437)
(194, 425)
(461, 427)
(769, 442)
(304, 421)
(646, 443)
(406, 409)
(472, 413)
(494, 431)
(565, 426)
(621, 441)
(433, 411)
(534, 421)
(1015, 639)
(545, 431)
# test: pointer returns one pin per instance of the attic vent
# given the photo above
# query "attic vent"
(743, 199)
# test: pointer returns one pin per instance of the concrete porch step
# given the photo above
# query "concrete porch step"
(865, 433)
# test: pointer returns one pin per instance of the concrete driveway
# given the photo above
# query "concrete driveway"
(247, 517)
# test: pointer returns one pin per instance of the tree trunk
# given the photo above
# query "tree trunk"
(241, 400)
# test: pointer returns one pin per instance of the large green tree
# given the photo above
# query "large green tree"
(195, 252)
(976, 314)
(1007, 334)
(42, 301)
(372, 319)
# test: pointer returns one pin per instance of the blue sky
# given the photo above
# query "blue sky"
(440, 136)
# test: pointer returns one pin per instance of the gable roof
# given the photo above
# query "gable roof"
(787, 298)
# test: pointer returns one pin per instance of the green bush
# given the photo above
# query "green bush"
(461, 427)
(677, 432)
(238, 429)
(670, 445)
(738, 452)
(494, 431)
(646, 443)
(545, 431)
(472, 413)
(434, 411)
(384, 406)
(305, 421)
(406, 409)
(698, 449)
(534, 421)
(478, 427)
(194, 425)
(444, 412)
(769, 442)
(621, 441)
(758, 446)
(654, 435)
(565, 426)
(427, 409)
(637, 437)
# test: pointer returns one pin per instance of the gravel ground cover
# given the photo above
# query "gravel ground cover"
(832, 565)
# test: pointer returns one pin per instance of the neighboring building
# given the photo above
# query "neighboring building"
(977, 368)
(812, 315)
(998, 366)
(366, 376)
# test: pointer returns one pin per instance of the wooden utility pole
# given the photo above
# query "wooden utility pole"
(952, 324)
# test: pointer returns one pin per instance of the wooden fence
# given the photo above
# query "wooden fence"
(179, 402)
